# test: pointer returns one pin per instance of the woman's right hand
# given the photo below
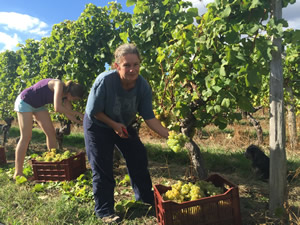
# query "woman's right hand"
(121, 130)
(117, 127)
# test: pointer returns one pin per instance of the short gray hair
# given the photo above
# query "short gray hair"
(125, 49)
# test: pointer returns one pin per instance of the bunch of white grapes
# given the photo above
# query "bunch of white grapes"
(53, 156)
(182, 192)
(176, 141)
(209, 188)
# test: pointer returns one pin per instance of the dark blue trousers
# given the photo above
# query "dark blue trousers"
(99, 143)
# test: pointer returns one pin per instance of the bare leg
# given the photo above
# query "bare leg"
(25, 125)
(44, 121)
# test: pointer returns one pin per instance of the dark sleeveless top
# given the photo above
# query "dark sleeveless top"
(39, 94)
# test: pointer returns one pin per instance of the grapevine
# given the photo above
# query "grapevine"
(176, 141)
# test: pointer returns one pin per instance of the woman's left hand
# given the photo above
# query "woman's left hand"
(76, 117)
(79, 115)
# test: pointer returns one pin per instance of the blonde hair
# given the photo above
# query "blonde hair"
(125, 49)
(75, 89)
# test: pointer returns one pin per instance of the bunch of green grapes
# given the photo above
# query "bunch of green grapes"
(181, 192)
(209, 188)
(174, 195)
(53, 156)
(196, 193)
(176, 141)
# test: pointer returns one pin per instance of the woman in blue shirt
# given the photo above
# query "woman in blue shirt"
(114, 100)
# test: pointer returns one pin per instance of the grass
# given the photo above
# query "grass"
(226, 161)
(19, 205)
(63, 203)
(164, 155)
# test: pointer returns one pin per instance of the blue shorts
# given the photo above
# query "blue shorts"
(21, 106)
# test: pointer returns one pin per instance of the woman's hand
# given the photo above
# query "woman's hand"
(121, 130)
(76, 117)
(117, 127)
(155, 125)
(64, 105)
(79, 118)
(79, 115)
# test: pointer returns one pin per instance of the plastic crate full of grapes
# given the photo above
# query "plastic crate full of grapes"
(65, 169)
(221, 208)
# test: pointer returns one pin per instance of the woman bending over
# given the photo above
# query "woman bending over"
(31, 103)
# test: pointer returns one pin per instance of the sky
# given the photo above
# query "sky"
(24, 19)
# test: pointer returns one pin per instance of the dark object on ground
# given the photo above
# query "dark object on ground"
(260, 162)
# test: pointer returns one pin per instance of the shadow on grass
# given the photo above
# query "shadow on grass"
(158, 154)
(74, 140)
(14, 132)
(38, 136)
(215, 160)
(135, 211)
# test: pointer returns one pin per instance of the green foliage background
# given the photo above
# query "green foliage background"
(206, 66)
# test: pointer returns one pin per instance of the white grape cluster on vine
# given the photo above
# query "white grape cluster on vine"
(176, 141)
(54, 156)
(182, 192)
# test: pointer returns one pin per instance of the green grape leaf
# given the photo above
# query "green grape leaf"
(130, 2)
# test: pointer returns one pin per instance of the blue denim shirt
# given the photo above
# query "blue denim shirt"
(107, 95)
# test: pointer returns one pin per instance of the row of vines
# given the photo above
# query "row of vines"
(207, 66)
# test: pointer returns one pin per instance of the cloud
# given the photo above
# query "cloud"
(22, 23)
(201, 5)
(15, 25)
(294, 23)
(8, 41)
(291, 14)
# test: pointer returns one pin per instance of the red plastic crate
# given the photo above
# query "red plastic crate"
(223, 209)
(67, 169)
(2, 156)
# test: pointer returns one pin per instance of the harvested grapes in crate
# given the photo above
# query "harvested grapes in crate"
(58, 166)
